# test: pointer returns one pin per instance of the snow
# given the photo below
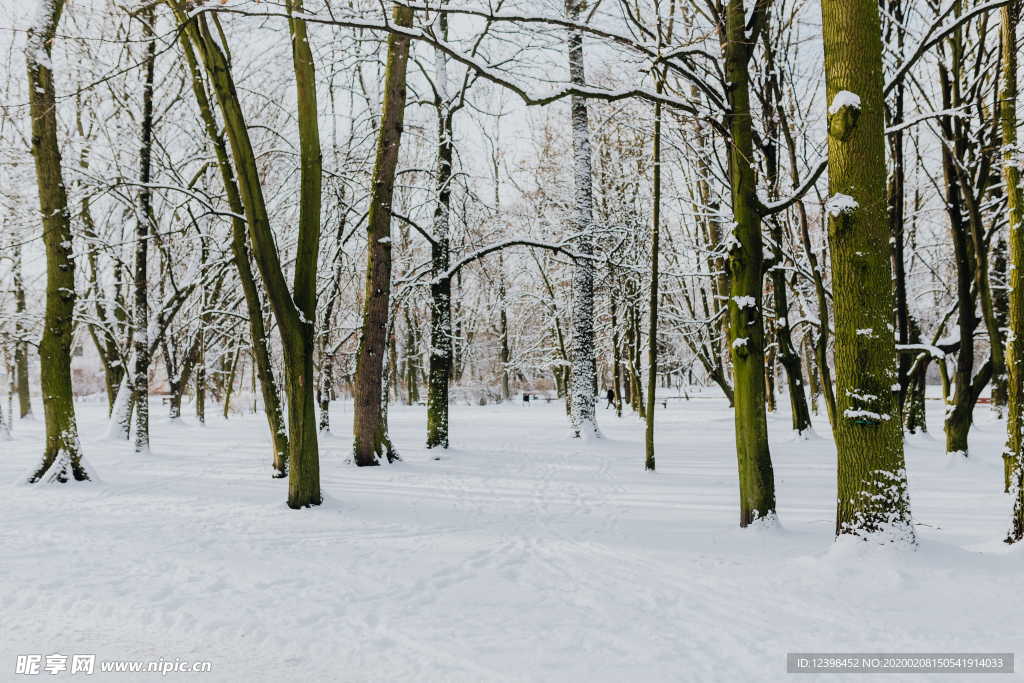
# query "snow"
(868, 414)
(844, 98)
(745, 301)
(839, 204)
(521, 555)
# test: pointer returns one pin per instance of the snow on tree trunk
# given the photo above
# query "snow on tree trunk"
(1014, 453)
(5, 426)
(746, 276)
(872, 480)
(143, 223)
(21, 334)
(62, 454)
(440, 358)
(583, 373)
(120, 424)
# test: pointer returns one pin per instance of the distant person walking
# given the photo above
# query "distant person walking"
(611, 399)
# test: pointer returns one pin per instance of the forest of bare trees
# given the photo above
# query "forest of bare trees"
(449, 340)
(812, 207)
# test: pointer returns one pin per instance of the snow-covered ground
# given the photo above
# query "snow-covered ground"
(520, 555)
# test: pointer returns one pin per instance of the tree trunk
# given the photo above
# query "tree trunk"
(240, 251)
(914, 416)
(325, 388)
(21, 342)
(143, 223)
(872, 480)
(200, 389)
(5, 427)
(652, 323)
(788, 356)
(441, 285)
(616, 356)
(229, 383)
(504, 353)
(200, 344)
(894, 27)
(120, 424)
(583, 371)
(746, 270)
(1000, 311)
(298, 334)
(62, 454)
(293, 322)
(771, 349)
(412, 370)
(960, 409)
(325, 392)
(371, 442)
(1014, 452)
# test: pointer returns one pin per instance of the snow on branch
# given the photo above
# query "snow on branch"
(933, 351)
(910, 123)
(472, 61)
(769, 208)
(935, 35)
(561, 247)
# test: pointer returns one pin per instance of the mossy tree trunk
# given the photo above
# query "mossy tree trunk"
(746, 271)
(960, 408)
(1014, 454)
(371, 440)
(62, 453)
(872, 480)
(299, 335)
(269, 389)
(294, 312)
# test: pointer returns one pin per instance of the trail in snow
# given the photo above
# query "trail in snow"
(521, 555)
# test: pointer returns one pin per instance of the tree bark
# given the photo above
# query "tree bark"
(652, 322)
(62, 453)
(143, 224)
(294, 312)
(1014, 453)
(746, 271)
(299, 334)
(583, 371)
(21, 342)
(372, 442)
(440, 360)
(872, 480)
(269, 389)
